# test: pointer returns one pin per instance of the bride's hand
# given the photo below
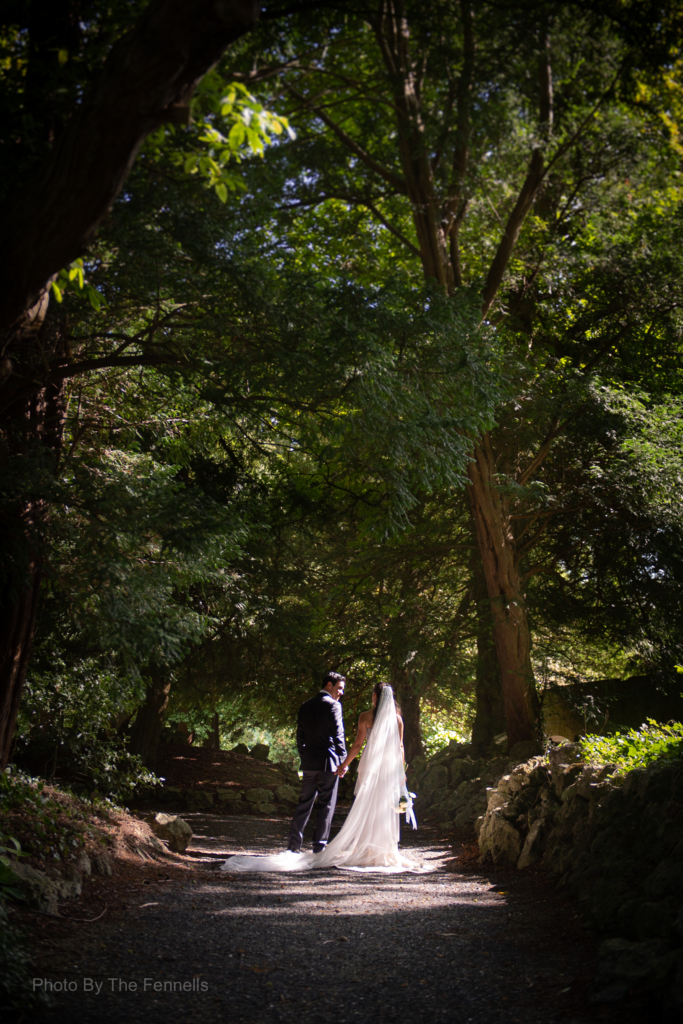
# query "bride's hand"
(342, 770)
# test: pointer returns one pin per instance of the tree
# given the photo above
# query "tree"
(470, 138)
(76, 169)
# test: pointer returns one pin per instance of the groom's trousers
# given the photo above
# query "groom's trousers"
(323, 786)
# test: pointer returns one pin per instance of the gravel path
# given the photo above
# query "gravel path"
(325, 946)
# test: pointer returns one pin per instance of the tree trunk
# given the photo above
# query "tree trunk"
(511, 632)
(17, 626)
(148, 78)
(213, 740)
(30, 429)
(490, 715)
(146, 731)
(409, 702)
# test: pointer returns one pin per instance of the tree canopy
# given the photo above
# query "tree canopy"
(357, 346)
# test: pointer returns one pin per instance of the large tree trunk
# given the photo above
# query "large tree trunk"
(490, 714)
(213, 739)
(147, 79)
(146, 731)
(511, 632)
(19, 602)
(30, 432)
(408, 700)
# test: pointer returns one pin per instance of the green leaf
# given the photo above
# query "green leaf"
(222, 191)
(57, 291)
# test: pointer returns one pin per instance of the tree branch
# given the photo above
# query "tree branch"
(394, 180)
(147, 74)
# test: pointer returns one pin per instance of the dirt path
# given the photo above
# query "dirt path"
(327, 946)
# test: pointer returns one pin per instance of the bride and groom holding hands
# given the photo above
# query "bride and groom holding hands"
(369, 837)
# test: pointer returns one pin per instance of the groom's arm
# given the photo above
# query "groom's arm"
(339, 739)
(300, 742)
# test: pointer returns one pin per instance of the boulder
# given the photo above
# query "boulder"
(40, 891)
(103, 864)
(494, 799)
(533, 845)
(229, 797)
(83, 863)
(287, 794)
(198, 799)
(261, 751)
(69, 884)
(259, 796)
(623, 964)
(499, 841)
(241, 748)
(170, 794)
(435, 779)
(173, 829)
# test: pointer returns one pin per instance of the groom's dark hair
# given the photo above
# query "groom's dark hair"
(333, 677)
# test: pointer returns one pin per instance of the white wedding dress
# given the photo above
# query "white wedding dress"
(368, 839)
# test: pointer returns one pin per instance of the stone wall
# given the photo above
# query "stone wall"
(451, 786)
(222, 800)
(617, 844)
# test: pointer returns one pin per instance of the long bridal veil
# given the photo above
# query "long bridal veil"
(368, 840)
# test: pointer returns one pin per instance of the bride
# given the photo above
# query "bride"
(368, 839)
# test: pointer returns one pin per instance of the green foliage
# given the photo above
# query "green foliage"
(637, 748)
(50, 836)
(228, 125)
(65, 725)
(8, 880)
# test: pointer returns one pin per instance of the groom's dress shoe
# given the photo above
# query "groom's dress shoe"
(319, 847)
(294, 849)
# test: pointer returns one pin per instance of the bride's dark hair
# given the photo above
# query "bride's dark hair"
(377, 691)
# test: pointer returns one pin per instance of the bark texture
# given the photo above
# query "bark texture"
(490, 715)
(149, 721)
(511, 632)
(409, 701)
(148, 75)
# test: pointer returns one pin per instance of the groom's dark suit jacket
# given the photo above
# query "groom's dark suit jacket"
(320, 734)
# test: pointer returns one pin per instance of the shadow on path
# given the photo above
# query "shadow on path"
(332, 946)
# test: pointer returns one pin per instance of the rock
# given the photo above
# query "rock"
(83, 863)
(198, 800)
(259, 796)
(499, 841)
(665, 880)
(678, 924)
(229, 796)
(655, 920)
(287, 794)
(477, 825)
(241, 748)
(103, 864)
(173, 829)
(568, 753)
(533, 845)
(40, 891)
(435, 779)
(69, 884)
(523, 750)
(170, 794)
(623, 964)
(261, 751)
(262, 808)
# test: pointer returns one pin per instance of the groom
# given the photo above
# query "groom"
(321, 746)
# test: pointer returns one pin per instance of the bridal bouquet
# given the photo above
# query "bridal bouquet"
(405, 806)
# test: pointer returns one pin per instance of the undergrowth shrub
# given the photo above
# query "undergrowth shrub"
(636, 748)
